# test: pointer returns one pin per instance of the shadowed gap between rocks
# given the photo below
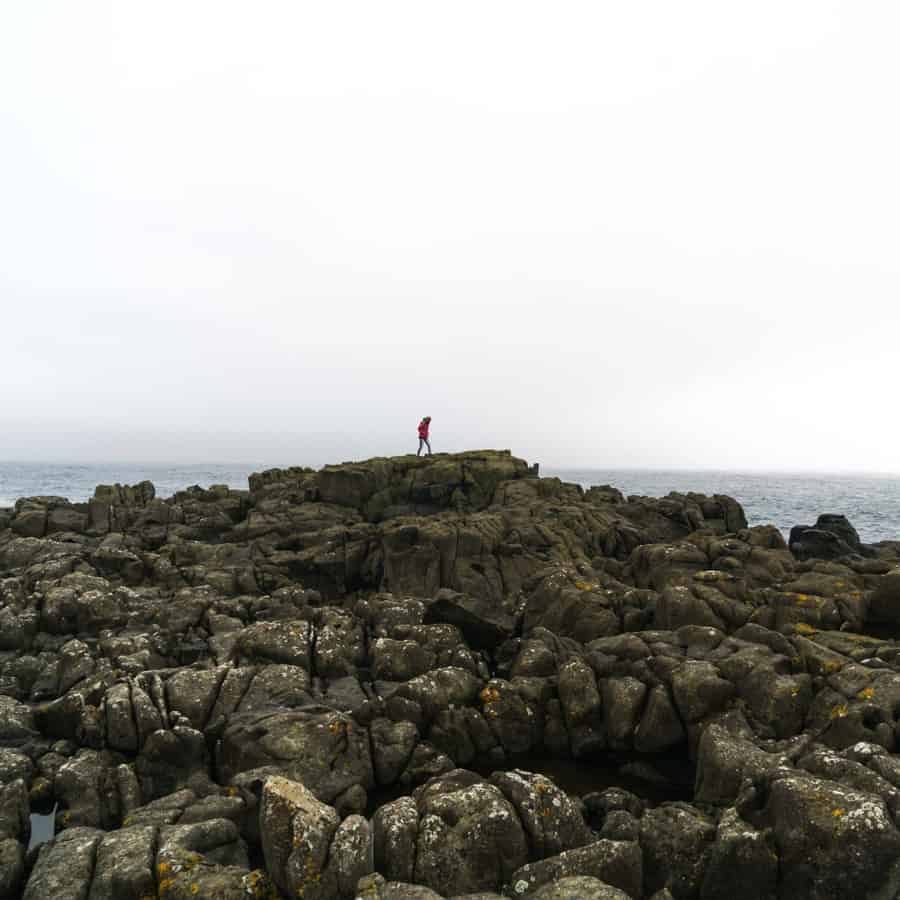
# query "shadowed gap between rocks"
(654, 778)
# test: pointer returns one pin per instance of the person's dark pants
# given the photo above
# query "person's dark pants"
(425, 442)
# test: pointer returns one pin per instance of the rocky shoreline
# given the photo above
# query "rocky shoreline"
(411, 678)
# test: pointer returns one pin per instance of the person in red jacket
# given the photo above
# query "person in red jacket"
(423, 435)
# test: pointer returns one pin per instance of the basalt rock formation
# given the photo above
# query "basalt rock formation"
(443, 677)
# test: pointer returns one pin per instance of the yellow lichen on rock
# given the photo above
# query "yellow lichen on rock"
(258, 886)
(339, 726)
(489, 695)
(311, 877)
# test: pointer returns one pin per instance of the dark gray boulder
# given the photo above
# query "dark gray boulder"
(326, 751)
(578, 887)
(12, 868)
(832, 841)
(832, 537)
(884, 601)
(676, 840)
(124, 868)
(616, 863)
(376, 887)
(469, 837)
(552, 820)
(64, 866)
(742, 865)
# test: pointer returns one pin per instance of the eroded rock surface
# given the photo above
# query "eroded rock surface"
(443, 677)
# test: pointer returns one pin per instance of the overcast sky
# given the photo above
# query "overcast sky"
(615, 234)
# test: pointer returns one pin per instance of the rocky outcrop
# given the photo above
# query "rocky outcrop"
(832, 537)
(443, 676)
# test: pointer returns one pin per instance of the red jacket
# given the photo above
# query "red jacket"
(423, 429)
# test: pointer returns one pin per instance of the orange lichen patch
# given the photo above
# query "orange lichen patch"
(832, 665)
(166, 885)
(838, 811)
(162, 868)
(839, 711)
(195, 888)
(231, 791)
(586, 585)
(806, 599)
(489, 695)
(803, 628)
(336, 726)
(866, 693)
(542, 789)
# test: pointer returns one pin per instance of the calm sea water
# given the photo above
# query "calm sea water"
(872, 503)
(77, 482)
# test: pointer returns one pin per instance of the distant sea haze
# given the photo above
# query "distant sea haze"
(870, 502)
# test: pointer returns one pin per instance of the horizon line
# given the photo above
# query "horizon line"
(568, 468)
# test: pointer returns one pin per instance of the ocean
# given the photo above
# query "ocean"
(870, 502)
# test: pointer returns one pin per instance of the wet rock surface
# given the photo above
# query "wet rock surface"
(443, 677)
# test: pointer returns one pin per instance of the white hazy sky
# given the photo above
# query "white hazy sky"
(620, 234)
